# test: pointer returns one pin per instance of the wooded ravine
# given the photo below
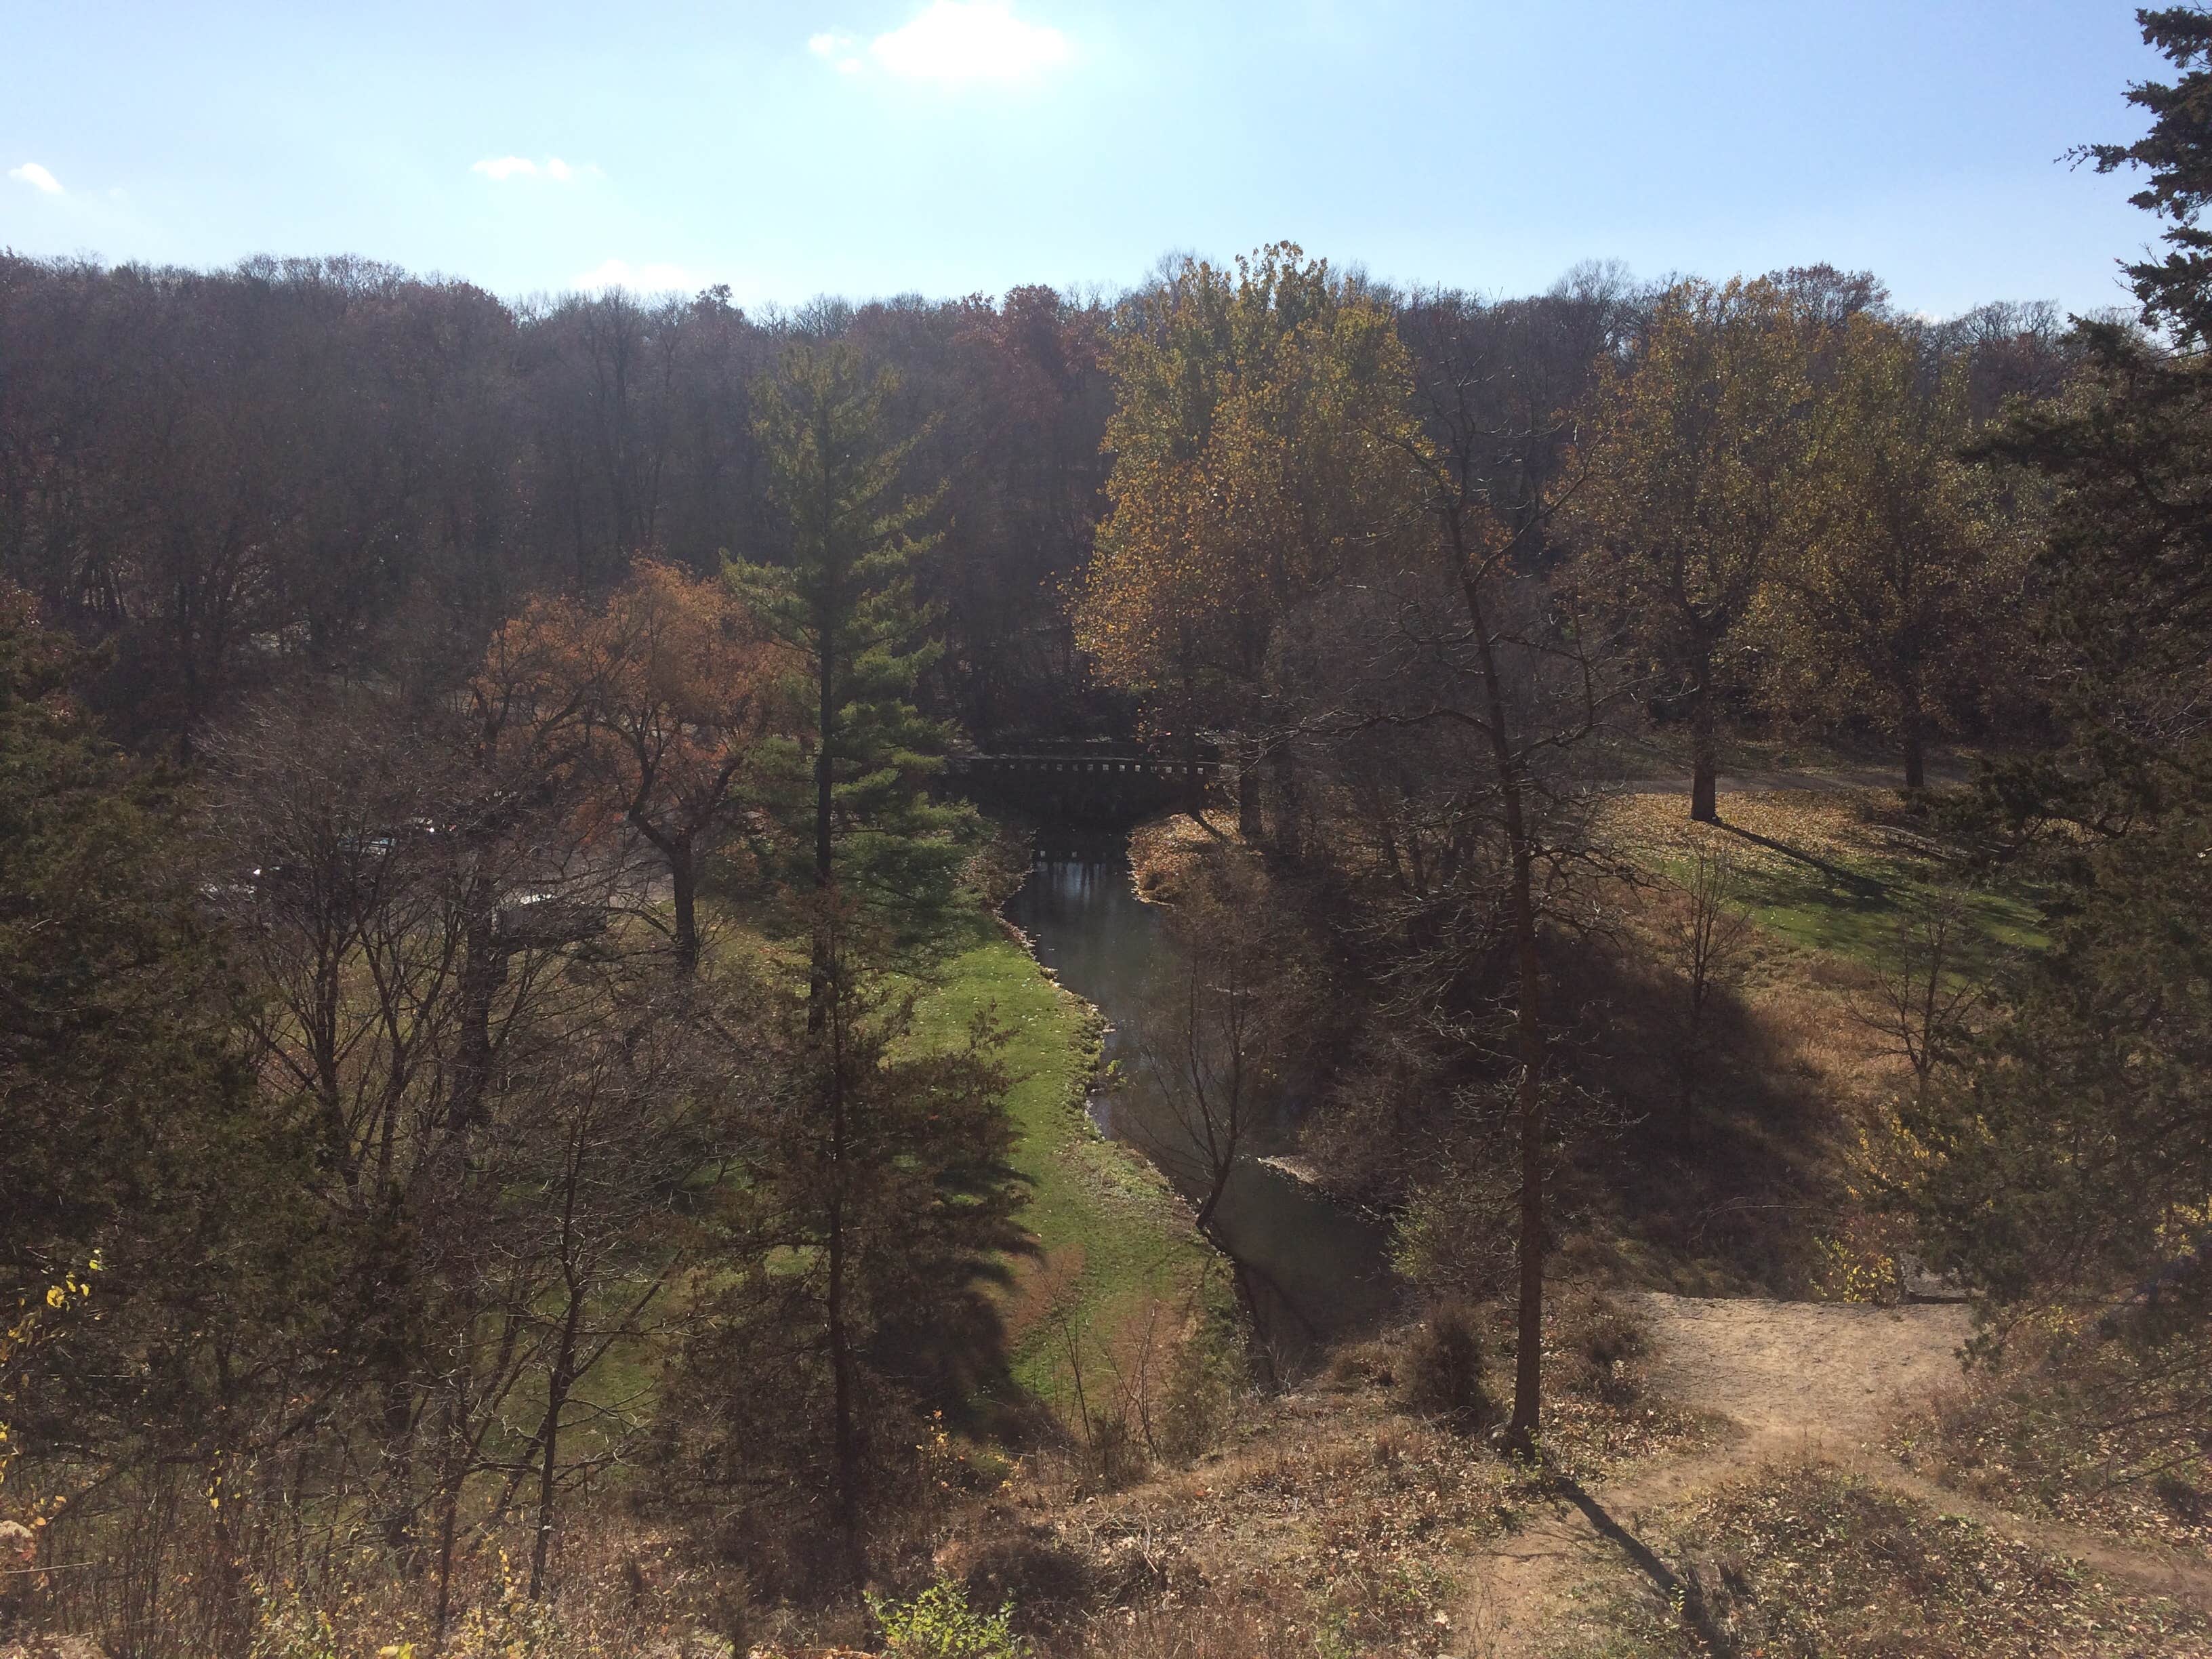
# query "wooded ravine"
(1274, 965)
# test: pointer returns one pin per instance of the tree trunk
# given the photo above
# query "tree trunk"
(1704, 751)
(1289, 809)
(1263, 1354)
(453, 1459)
(484, 970)
(684, 885)
(398, 1459)
(1527, 1419)
(1528, 1351)
(845, 1429)
(844, 1407)
(558, 1384)
(1248, 795)
(1915, 734)
(818, 970)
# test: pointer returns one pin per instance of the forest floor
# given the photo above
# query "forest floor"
(1735, 1497)
(1809, 1392)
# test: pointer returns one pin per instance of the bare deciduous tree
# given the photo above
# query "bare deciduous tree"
(1705, 942)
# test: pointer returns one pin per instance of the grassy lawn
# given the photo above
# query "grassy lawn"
(1815, 874)
(1859, 918)
(1110, 1236)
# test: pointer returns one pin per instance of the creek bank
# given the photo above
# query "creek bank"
(1111, 1237)
(1319, 1272)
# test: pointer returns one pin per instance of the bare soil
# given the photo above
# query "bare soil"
(1796, 1380)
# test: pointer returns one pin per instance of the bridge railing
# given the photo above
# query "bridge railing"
(1114, 765)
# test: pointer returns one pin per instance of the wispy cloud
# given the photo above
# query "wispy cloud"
(954, 43)
(838, 50)
(638, 279)
(501, 168)
(36, 177)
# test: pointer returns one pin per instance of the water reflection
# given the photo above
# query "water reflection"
(1317, 1270)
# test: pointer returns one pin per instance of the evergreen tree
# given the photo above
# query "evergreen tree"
(843, 599)
(872, 1208)
(2176, 291)
(2070, 1165)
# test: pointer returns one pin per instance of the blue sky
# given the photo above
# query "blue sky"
(873, 146)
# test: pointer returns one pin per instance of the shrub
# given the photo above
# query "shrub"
(938, 1623)
(1199, 1397)
(1599, 1340)
(1442, 1376)
(1045, 1581)
(1117, 1453)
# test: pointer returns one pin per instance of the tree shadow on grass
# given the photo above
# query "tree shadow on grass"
(1864, 885)
(1725, 1183)
(1674, 1588)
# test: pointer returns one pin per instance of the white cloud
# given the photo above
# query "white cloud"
(837, 50)
(954, 42)
(36, 177)
(639, 279)
(501, 168)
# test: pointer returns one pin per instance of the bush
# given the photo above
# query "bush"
(1046, 1582)
(1599, 1340)
(1200, 1398)
(1442, 1376)
(938, 1623)
(1456, 1235)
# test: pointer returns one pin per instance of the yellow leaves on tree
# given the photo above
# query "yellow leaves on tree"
(25, 1330)
(1882, 609)
(1699, 452)
(1252, 463)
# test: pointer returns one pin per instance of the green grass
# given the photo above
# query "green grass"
(1857, 916)
(1109, 1233)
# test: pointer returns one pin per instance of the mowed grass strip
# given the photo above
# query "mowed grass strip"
(1111, 1237)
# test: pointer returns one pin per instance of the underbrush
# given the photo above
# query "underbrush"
(1807, 1562)
(2089, 1431)
(1329, 1523)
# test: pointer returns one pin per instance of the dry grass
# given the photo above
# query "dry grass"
(1804, 1560)
(2059, 1435)
(1164, 853)
(1333, 1522)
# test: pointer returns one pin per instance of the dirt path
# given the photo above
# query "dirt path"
(1797, 1379)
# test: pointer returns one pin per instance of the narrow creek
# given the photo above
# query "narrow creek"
(1320, 1271)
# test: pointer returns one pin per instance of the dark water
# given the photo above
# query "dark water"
(1318, 1270)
